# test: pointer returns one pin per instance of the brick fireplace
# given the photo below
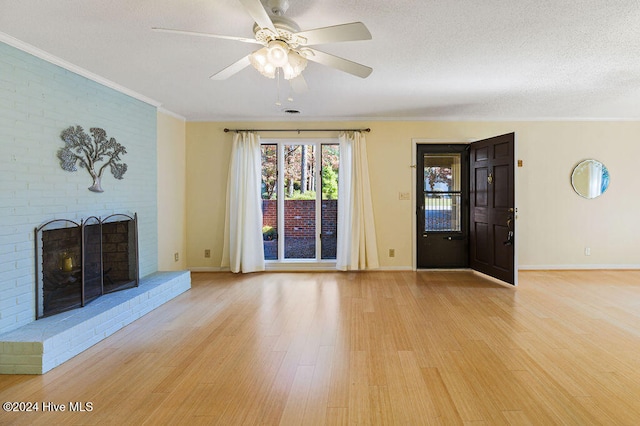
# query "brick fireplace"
(84, 265)
(79, 262)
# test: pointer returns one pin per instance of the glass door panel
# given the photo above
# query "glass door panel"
(329, 203)
(299, 188)
(270, 201)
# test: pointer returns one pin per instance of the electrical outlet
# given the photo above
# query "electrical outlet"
(207, 253)
(392, 252)
(176, 256)
(404, 196)
(587, 251)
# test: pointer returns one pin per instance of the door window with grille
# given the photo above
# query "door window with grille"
(442, 202)
(442, 193)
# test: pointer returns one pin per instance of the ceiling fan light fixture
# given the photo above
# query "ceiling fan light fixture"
(268, 59)
(278, 53)
(269, 71)
(260, 61)
(260, 57)
(297, 63)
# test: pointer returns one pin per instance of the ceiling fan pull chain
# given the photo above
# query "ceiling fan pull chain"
(278, 103)
(290, 97)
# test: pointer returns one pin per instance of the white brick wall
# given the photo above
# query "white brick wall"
(37, 101)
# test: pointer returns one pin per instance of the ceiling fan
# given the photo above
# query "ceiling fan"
(286, 49)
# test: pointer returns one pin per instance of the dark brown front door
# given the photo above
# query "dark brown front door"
(492, 207)
(443, 208)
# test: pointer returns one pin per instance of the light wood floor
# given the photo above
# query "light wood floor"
(368, 348)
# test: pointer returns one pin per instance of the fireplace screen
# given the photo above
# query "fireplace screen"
(61, 270)
(92, 260)
(77, 263)
(119, 254)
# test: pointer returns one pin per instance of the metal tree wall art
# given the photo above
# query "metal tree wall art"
(88, 151)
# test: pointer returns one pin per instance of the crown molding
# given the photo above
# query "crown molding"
(45, 56)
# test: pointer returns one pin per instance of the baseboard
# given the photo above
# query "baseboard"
(298, 267)
(314, 267)
(576, 267)
(207, 269)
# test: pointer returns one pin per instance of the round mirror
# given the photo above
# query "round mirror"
(590, 178)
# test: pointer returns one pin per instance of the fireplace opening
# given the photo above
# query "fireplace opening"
(119, 260)
(78, 262)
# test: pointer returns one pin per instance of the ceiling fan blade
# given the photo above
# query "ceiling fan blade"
(346, 32)
(231, 69)
(336, 62)
(299, 84)
(194, 33)
(259, 14)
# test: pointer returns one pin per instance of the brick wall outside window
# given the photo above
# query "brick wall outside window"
(300, 217)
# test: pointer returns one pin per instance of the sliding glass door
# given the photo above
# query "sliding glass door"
(299, 199)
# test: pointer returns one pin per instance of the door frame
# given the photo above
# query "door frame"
(282, 264)
(414, 161)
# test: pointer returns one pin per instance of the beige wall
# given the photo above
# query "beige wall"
(554, 224)
(171, 193)
(208, 153)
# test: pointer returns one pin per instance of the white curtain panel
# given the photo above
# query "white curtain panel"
(243, 247)
(357, 246)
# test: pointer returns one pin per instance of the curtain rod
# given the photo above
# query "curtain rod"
(297, 130)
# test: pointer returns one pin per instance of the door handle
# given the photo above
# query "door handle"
(509, 241)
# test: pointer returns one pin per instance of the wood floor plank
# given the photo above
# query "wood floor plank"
(315, 412)
(446, 411)
(434, 347)
(294, 408)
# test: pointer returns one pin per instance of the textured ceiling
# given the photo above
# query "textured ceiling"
(485, 60)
